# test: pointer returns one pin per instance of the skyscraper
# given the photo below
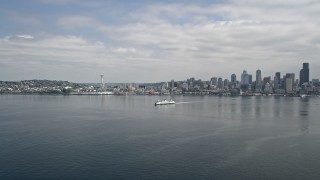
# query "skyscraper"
(289, 84)
(244, 80)
(226, 84)
(191, 82)
(172, 84)
(304, 73)
(214, 81)
(250, 78)
(258, 81)
(267, 88)
(277, 81)
(102, 83)
(220, 83)
(278, 75)
(266, 80)
(233, 81)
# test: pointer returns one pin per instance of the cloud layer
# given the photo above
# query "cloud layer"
(164, 41)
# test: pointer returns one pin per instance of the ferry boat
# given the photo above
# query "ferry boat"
(164, 102)
(303, 95)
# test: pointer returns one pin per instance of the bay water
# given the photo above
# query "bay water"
(128, 137)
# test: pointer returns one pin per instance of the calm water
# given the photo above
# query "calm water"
(127, 137)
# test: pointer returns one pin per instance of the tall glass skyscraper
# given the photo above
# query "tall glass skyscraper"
(277, 81)
(220, 83)
(245, 78)
(304, 73)
(233, 81)
(258, 81)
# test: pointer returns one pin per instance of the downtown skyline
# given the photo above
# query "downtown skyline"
(144, 41)
(246, 86)
(233, 76)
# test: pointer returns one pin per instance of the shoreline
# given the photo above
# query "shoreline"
(86, 94)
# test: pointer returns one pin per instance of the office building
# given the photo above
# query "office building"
(304, 73)
(233, 81)
(277, 81)
(244, 80)
(220, 83)
(290, 86)
(250, 78)
(226, 84)
(267, 88)
(258, 81)
(214, 81)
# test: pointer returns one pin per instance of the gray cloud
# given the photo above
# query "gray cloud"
(182, 40)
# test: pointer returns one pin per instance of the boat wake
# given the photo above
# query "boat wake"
(189, 102)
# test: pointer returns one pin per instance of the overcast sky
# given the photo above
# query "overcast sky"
(153, 41)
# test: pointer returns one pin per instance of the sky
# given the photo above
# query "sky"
(155, 41)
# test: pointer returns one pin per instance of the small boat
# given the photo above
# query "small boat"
(303, 95)
(164, 102)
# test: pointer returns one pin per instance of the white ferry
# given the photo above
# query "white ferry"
(97, 93)
(303, 95)
(164, 102)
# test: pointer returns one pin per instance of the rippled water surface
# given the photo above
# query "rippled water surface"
(127, 137)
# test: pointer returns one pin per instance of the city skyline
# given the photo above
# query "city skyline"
(288, 85)
(144, 41)
(253, 76)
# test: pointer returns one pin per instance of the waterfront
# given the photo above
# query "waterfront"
(127, 137)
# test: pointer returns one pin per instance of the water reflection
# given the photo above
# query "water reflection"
(220, 99)
(257, 106)
(102, 100)
(246, 108)
(277, 101)
(132, 138)
(304, 115)
(233, 109)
